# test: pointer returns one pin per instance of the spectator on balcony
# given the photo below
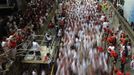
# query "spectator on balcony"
(12, 42)
(48, 39)
(50, 25)
(35, 46)
(1, 48)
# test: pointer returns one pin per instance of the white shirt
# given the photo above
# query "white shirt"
(132, 64)
(105, 24)
(3, 43)
(111, 47)
(43, 72)
(48, 38)
(34, 73)
(60, 32)
(102, 18)
(35, 46)
(73, 66)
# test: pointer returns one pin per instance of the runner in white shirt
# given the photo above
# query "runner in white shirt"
(43, 72)
(77, 12)
(34, 72)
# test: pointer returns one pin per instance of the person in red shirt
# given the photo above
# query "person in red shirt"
(110, 31)
(13, 44)
(62, 24)
(128, 73)
(105, 37)
(123, 41)
(18, 37)
(112, 39)
(46, 58)
(99, 7)
(123, 62)
(100, 49)
(114, 55)
(63, 11)
(50, 25)
(123, 35)
(119, 73)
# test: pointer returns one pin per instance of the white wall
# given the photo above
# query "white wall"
(129, 10)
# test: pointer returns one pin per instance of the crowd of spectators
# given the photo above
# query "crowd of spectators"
(90, 45)
(21, 25)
